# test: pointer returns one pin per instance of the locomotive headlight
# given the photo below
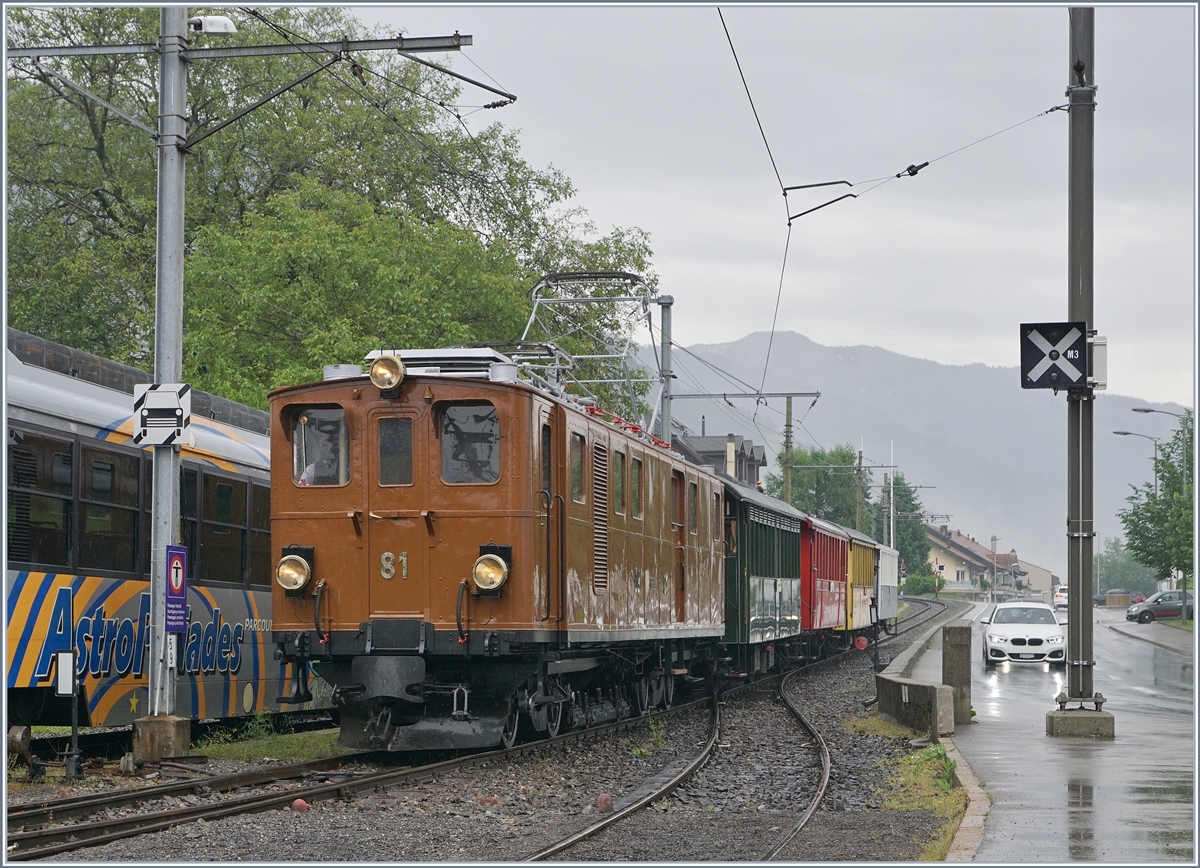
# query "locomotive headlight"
(292, 572)
(489, 572)
(387, 372)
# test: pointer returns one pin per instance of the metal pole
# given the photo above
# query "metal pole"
(858, 494)
(787, 454)
(1081, 93)
(168, 333)
(666, 301)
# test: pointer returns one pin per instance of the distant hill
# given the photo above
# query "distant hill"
(995, 452)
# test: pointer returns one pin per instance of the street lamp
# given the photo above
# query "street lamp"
(1152, 410)
(1148, 437)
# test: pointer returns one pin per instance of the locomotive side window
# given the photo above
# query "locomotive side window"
(716, 516)
(470, 443)
(39, 525)
(618, 483)
(635, 487)
(577, 468)
(320, 446)
(547, 463)
(395, 452)
(692, 494)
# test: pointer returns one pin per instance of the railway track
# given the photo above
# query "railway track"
(49, 837)
(36, 830)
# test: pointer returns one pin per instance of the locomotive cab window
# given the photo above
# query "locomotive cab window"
(395, 452)
(320, 446)
(470, 443)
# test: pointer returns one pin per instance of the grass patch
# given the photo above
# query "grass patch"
(292, 746)
(874, 723)
(658, 732)
(921, 781)
(265, 735)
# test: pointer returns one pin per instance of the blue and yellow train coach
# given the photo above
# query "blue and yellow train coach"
(77, 536)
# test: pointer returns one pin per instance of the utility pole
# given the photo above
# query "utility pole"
(787, 454)
(168, 363)
(162, 733)
(1081, 94)
(858, 494)
(666, 302)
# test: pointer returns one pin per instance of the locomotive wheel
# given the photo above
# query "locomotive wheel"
(512, 723)
(668, 691)
(656, 691)
(554, 716)
(640, 694)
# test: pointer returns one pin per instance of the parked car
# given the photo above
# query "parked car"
(1060, 597)
(1023, 632)
(1164, 604)
(1102, 599)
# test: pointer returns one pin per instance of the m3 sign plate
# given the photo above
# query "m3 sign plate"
(1054, 355)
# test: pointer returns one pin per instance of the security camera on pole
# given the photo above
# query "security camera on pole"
(1069, 356)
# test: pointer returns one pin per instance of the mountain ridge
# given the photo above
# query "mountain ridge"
(995, 452)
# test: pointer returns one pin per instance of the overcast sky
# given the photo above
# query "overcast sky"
(643, 108)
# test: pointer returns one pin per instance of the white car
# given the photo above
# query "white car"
(1023, 632)
(1060, 597)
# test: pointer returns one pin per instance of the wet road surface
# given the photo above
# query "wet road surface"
(1075, 799)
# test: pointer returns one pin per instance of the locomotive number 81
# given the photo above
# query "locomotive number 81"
(462, 553)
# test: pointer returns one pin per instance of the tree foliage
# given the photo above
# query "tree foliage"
(1158, 527)
(1116, 567)
(911, 541)
(388, 145)
(827, 484)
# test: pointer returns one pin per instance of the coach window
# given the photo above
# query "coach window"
(320, 446)
(692, 494)
(577, 468)
(635, 487)
(618, 483)
(108, 490)
(189, 531)
(222, 529)
(39, 499)
(260, 535)
(395, 452)
(470, 443)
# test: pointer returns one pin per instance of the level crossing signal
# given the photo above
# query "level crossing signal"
(1054, 355)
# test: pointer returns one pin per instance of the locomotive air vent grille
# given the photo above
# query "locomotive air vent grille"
(600, 517)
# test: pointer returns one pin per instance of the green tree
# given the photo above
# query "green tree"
(911, 541)
(1158, 527)
(318, 277)
(82, 182)
(827, 484)
(1115, 567)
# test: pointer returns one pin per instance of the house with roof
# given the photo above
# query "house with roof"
(734, 455)
(963, 563)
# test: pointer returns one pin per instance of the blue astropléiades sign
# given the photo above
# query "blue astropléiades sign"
(176, 621)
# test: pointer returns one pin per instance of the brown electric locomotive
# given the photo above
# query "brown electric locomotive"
(463, 552)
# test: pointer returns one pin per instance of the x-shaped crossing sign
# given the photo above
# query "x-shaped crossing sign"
(1054, 355)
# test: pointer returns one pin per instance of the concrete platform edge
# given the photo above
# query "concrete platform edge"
(970, 830)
